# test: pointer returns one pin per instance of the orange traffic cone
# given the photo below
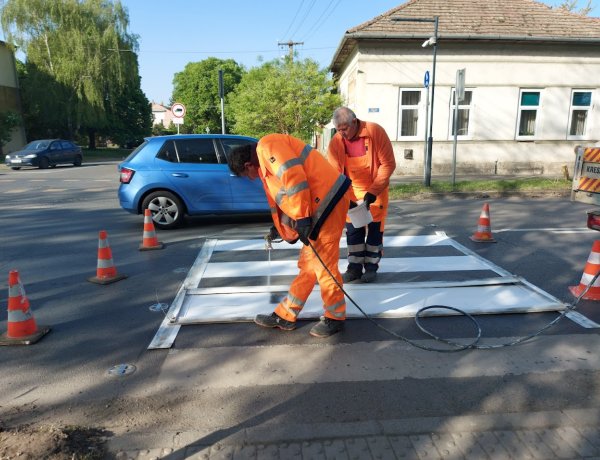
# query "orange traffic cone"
(22, 328)
(149, 239)
(484, 231)
(592, 267)
(106, 272)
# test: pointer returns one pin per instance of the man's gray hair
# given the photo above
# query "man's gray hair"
(343, 116)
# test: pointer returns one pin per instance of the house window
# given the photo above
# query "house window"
(581, 101)
(529, 103)
(408, 123)
(464, 112)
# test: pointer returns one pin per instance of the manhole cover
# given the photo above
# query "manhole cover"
(122, 369)
(158, 307)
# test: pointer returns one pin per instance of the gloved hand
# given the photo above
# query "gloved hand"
(369, 199)
(303, 229)
(353, 204)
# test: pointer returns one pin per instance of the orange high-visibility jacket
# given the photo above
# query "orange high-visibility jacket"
(380, 152)
(299, 183)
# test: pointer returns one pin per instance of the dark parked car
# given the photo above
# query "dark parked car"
(45, 153)
(187, 174)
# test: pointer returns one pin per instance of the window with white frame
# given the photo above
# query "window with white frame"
(408, 116)
(581, 102)
(464, 113)
(529, 103)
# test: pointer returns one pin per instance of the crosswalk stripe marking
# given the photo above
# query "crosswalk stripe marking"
(395, 265)
(237, 302)
(582, 320)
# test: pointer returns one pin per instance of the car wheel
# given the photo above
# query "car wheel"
(166, 209)
(16, 168)
(44, 163)
(77, 161)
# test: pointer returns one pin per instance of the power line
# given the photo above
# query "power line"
(231, 52)
(303, 18)
(295, 16)
(324, 16)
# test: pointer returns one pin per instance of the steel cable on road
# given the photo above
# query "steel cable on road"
(474, 344)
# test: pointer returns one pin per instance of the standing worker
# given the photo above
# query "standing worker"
(309, 201)
(363, 152)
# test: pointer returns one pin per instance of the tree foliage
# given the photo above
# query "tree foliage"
(80, 61)
(291, 97)
(8, 121)
(571, 5)
(197, 87)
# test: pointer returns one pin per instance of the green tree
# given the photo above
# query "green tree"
(82, 53)
(292, 97)
(197, 87)
(571, 5)
(8, 121)
(130, 119)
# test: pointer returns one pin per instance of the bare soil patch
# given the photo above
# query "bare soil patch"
(31, 442)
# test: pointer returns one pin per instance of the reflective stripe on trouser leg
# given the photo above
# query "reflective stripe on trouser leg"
(311, 270)
(334, 302)
(291, 306)
(374, 249)
(328, 247)
(355, 239)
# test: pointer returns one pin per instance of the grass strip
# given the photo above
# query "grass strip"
(399, 191)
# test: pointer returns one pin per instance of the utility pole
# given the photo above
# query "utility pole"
(290, 45)
(432, 41)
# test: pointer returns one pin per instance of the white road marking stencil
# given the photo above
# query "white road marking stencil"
(234, 280)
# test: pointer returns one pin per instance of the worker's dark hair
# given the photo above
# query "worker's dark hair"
(238, 157)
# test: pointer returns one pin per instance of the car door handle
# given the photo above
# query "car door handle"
(179, 175)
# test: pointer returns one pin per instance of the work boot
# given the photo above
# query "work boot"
(327, 327)
(273, 320)
(351, 275)
(369, 276)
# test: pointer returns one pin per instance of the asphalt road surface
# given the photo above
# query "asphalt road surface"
(221, 379)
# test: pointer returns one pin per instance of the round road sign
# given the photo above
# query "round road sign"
(178, 110)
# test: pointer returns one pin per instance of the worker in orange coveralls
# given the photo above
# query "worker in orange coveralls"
(364, 153)
(309, 201)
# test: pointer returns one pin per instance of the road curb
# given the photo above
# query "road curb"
(299, 433)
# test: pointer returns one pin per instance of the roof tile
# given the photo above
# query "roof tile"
(474, 19)
(508, 18)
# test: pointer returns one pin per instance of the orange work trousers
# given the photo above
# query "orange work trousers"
(311, 270)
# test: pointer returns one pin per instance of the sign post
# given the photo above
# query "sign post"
(178, 110)
(459, 96)
(222, 96)
(426, 85)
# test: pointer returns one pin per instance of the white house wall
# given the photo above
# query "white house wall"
(495, 73)
(9, 97)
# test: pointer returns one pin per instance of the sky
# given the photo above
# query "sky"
(174, 33)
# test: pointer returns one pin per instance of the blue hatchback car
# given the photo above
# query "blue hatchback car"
(187, 174)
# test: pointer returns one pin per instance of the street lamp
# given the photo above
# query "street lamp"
(431, 41)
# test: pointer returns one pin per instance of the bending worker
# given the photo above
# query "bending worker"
(309, 201)
(363, 152)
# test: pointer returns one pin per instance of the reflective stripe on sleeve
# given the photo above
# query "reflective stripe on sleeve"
(289, 164)
(297, 188)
